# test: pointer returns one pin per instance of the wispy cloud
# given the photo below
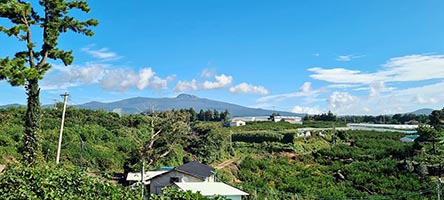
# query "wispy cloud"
(400, 69)
(347, 57)
(221, 81)
(343, 86)
(208, 73)
(305, 88)
(116, 79)
(103, 53)
(245, 88)
(306, 110)
(304, 91)
(395, 101)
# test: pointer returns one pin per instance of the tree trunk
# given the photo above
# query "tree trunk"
(434, 146)
(31, 149)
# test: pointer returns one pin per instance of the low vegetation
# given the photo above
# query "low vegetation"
(291, 164)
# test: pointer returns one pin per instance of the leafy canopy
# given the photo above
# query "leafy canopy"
(54, 20)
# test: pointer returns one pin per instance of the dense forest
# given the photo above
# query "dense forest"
(324, 164)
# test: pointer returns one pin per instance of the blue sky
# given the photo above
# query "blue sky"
(347, 56)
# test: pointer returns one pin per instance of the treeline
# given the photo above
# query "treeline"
(99, 140)
(212, 116)
(329, 116)
(203, 115)
(387, 119)
(379, 119)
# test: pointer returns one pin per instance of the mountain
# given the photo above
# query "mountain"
(183, 101)
(11, 105)
(424, 111)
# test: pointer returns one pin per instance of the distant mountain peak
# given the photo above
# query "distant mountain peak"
(186, 96)
(424, 111)
(182, 101)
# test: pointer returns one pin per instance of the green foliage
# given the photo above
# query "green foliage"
(56, 182)
(329, 116)
(367, 168)
(430, 134)
(105, 141)
(211, 143)
(386, 119)
(437, 119)
(362, 164)
(257, 137)
(29, 66)
(174, 193)
(209, 115)
(265, 126)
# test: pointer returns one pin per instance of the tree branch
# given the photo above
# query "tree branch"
(29, 41)
(45, 37)
(165, 154)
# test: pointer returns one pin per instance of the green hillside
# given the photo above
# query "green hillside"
(268, 160)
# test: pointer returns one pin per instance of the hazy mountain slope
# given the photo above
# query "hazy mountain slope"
(424, 111)
(140, 104)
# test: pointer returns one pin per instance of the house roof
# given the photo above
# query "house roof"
(210, 188)
(196, 169)
(136, 176)
(409, 138)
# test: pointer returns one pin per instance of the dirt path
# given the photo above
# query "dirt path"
(226, 163)
(2, 167)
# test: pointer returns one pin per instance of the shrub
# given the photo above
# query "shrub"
(56, 182)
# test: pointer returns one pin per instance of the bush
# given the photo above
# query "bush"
(257, 137)
(173, 193)
(56, 182)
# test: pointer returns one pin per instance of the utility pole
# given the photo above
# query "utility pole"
(143, 178)
(438, 188)
(231, 139)
(65, 98)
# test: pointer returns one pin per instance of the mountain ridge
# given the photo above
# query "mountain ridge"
(183, 101)
(139, 104)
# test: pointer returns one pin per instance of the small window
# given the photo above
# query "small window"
(174, 179)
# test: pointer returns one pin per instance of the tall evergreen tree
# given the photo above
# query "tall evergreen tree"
(27, 67)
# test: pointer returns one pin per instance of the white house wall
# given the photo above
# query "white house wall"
(164, 180)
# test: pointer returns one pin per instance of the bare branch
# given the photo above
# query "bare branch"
(164, 153)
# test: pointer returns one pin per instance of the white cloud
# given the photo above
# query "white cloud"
(424, 100)
(396, 101)
(341, 100)
(400, 69)
(343, 58)
(343, 76)
(119, 79)
(382, 97)
(245, 88)
(186, 85)
(62, 77)
(208, 73)
(347, 57)
(343, 86)
(379, 87)
(306, 110)
(102, 53)
(221, 81)
(304, 91)
(305, 88)
(414, 68)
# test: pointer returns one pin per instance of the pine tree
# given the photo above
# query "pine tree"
(27, 67)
